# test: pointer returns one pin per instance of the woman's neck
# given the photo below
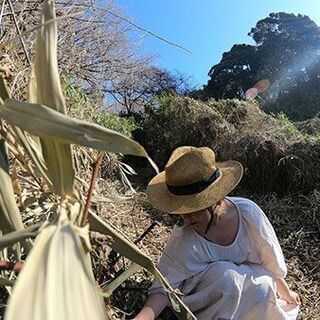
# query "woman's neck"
(225, 229)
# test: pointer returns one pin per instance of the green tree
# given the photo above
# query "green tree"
(287, 53)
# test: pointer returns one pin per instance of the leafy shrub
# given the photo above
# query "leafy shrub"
(124, 125)
(79, 106)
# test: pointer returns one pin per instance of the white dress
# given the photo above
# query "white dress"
(234, 282)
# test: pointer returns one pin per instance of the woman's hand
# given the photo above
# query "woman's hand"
(153, 307)
(285, 293)
(292, 298)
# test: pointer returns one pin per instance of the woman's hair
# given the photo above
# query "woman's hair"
(216, 215)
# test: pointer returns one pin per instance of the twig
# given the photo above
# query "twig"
(19, 32)
(149, 32)
(152, 225)
(90, 192)
(2, 10)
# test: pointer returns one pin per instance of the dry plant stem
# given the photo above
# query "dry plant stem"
(152, 225)
(11, 266)
(90, 192)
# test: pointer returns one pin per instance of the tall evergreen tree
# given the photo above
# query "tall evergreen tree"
(287, 53)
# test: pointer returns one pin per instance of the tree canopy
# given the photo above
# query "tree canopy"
(287, 53)
(95, 53)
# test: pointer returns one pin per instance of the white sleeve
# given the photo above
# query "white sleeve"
(169, 264)
(266, 242)
(181, 259)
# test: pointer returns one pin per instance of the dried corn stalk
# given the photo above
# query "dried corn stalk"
(44, 122)
(57, 280)
(45, 88)
(10, 218)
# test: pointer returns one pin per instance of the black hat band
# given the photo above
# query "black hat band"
(194, 188)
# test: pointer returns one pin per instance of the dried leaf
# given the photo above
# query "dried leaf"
(132, 269)
(10, 218)
(57, 281)
(11, 238)
(44, 122)
(45, 88)
(26, 142)
(35, 154)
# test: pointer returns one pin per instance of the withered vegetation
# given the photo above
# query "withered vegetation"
(281, 161)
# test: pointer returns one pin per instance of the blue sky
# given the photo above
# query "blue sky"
(206, 27)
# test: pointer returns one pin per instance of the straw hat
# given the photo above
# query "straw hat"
(192, 181)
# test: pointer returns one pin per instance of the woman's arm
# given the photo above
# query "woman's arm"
(285, 293)
(153, 307)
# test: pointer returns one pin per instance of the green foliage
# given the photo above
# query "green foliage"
(181, 121)
(80, 106)
(286, 54)
(78, 102)
(186, 121)
(277, 157)
(285, 123)
(124, 125)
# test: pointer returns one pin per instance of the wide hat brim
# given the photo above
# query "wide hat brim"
(161, 199)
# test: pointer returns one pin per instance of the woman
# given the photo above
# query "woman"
(226, 259)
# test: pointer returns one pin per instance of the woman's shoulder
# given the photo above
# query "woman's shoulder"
(249, 211)
(244, 204)
(255, 220)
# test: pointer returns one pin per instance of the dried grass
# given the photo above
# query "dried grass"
(310, 126)
(297, 223)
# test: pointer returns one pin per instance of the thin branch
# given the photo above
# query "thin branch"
(90, 192)
(19, 32)
(19, 12)
(149, 32)
(2, 10)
